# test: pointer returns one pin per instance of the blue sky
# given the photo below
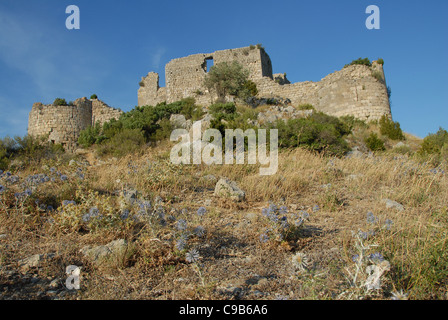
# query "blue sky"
(121, 41)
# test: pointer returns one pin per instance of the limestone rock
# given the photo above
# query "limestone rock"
(393, 204)
(34, 261)
(228, 189)
(99, 253)
(178, 121)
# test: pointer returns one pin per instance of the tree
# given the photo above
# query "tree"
(227, 79)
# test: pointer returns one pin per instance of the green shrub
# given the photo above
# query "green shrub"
(60, 102)
(377, 75)
(91, 135)
(360, 61)
(305, 106)
(27, 149)
(93, 97)
(390, 129)
(164, 130)
(249, 90)
(150, 120)
(380, 61)
(227, 79)
(318, 132)
(374, 143)
(435, 143)
(351, 122)
(125, 142)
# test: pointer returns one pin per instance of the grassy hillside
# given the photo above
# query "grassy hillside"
(311, 231)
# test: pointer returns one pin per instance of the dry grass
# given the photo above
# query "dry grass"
(234, 263)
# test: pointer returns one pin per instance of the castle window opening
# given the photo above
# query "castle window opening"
(210, 63)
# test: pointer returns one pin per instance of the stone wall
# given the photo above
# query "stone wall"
(102, 113)
(185, 76)
(351, 91)
(63, 124)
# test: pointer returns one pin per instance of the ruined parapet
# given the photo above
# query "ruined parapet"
(102, 113)
(150, 92)
(62, 124)
(355, 90)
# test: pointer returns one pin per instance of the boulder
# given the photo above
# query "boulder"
(100, 253)
(226, 188)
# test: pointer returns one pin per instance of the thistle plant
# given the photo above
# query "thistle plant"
(367, 271)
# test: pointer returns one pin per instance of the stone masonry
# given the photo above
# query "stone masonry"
(63, 124)
(356, 90)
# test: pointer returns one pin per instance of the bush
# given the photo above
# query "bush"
(93, 97)
(435, 143)
(374, 143)
(249, 90)
(227, 79)
(224, 111)
(125, 142)
(380, 61)
(360, 61)
(390, 129)
(305, 106)
(27, 149)
(60, 102)
(152, 121)
(90, 136)
(377, 75)
(318, 132)
(351, 122)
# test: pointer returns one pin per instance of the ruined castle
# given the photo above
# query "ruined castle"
(63, 124)
(356, 90)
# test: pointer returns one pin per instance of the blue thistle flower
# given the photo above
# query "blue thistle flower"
(362, 235)
(264, 238)
(64, 177)
(2, 189)
(272, 208)
(181, 224)
(199, 231)
(201, 211)
(125, 214)
(264, 211)
(388, 223)
(376, 257)
(371, 218)
(192, 256)
(316, 208)
(180, 244)
(283, 210)
(304, 215)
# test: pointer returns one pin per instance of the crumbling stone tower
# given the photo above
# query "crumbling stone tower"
(63, 124)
